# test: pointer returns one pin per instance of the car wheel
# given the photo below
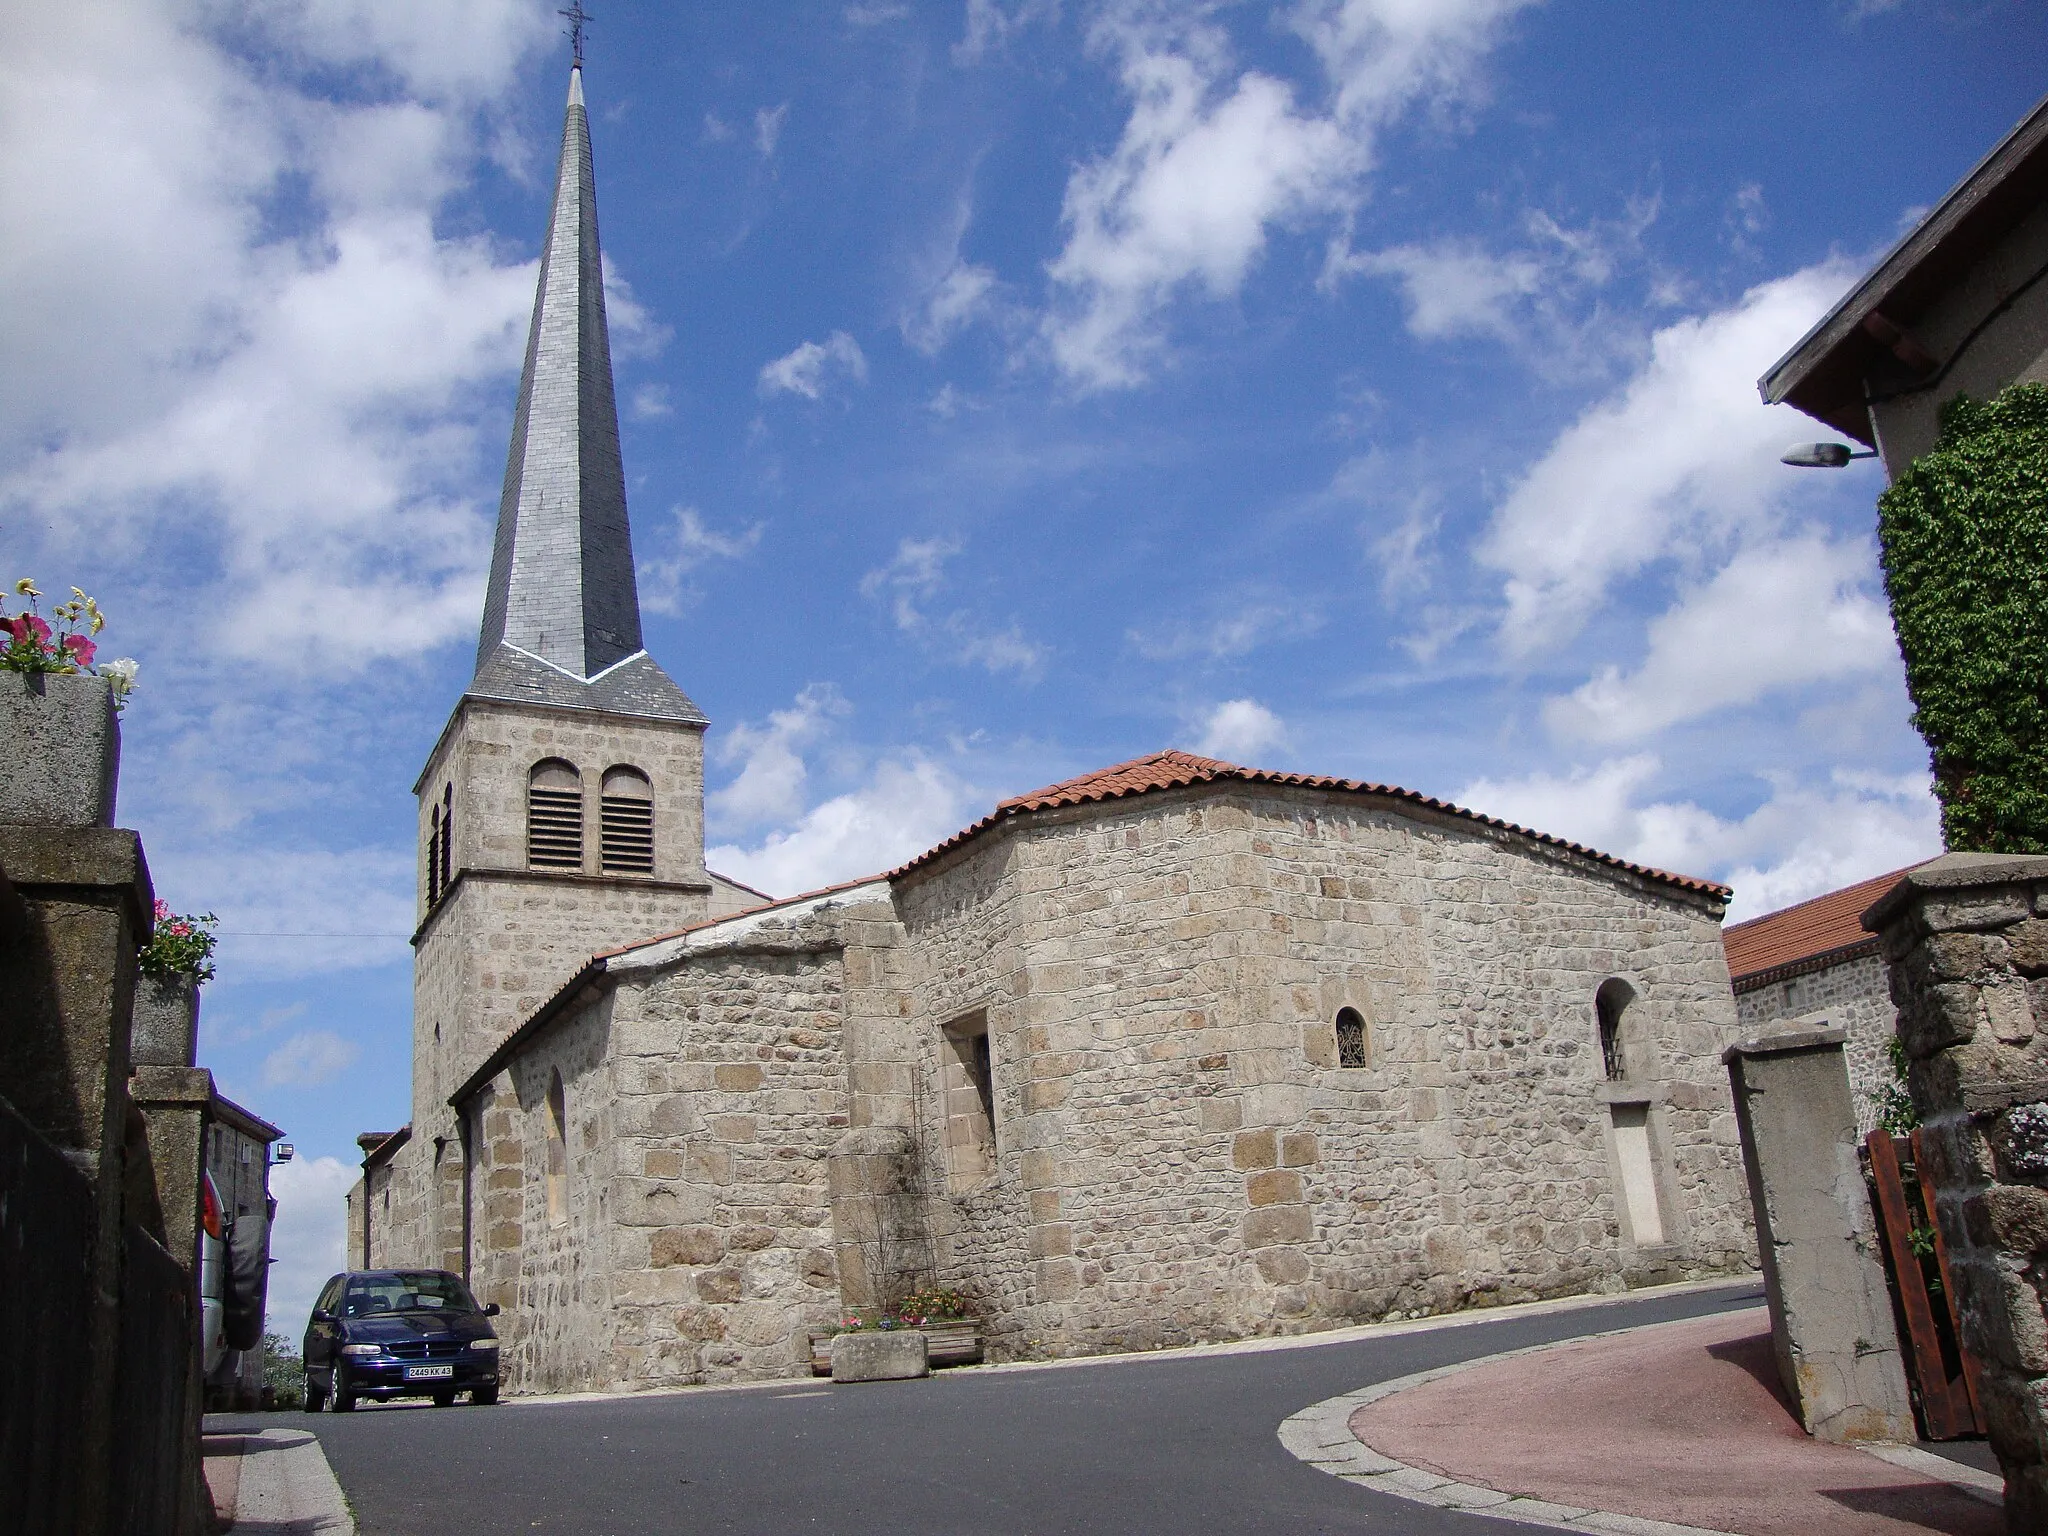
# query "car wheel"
(444, 1399)
(343, 1401)
(483, 1397)
(316, 1395)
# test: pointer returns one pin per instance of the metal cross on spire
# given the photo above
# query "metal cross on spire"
(578, 19)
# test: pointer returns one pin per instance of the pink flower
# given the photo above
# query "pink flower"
(81, 649)
(161, 910)
(35, 626)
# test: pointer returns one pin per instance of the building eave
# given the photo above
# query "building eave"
(1823, 374)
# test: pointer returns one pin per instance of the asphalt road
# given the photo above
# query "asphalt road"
(1138, 1445)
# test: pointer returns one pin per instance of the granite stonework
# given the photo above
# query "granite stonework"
(758, 1132)
(1852, 995)
(1966, 941)
(63, 750)
(899, 1355)
(166, 1027)
(1831, 1312)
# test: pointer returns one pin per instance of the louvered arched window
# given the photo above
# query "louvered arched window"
(554, 816)
(627, 844)
(433, 855)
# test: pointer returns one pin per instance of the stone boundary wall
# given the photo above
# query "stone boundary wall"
(1853, 996)
(1966, 941)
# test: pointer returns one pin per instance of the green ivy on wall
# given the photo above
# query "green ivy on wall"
(1964, 533)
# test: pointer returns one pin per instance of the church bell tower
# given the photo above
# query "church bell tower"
(562, 810)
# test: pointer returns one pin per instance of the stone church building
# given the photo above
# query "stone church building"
(1173, 1051)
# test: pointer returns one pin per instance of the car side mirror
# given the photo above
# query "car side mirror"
(490, 1309)
(322, 1317)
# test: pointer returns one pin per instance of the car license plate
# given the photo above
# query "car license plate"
(429, 1372)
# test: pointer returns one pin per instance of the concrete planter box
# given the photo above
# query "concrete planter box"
(60, 750)
(957, 1343)
(895, 1355)
(166, 1028)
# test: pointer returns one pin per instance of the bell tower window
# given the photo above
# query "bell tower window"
(627, 823)
(554, 816)
(447, 837)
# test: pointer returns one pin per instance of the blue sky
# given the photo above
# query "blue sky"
(1363, 387)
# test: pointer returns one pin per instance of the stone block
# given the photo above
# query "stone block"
(1831, 1314)
(1298, 1150)
(662, 1163)
(1051, 1241)
(1058, 1279)
(1276, 1224)
(737, 1078)
(750, 1238)
(1254, 1149)
(1282, 1266)
(733, 1128)
(685, 1245)
(893, 1355)
(1220, 1114)
(63, 751)
(719, 1285)
(165, 1032)
(1273, 1187)
(2026, 945)
(2009, 1216)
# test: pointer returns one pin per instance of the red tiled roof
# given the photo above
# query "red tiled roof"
(1175, 770)
(1829, 925)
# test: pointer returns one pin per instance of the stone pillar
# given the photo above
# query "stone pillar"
(67, 972)
(173, 1102)
(869, 1173)
(1966, 942)
(1831, 1314)
(166, 1031)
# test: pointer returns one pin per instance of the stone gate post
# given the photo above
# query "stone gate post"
(1966, 942)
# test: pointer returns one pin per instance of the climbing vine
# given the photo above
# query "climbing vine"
(1964, 533)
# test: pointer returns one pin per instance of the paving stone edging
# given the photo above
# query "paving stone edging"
(1321, 1436)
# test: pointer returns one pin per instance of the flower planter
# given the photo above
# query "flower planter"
(954, 1343)
(897, 1354)
(166, 1028)
(62, 750)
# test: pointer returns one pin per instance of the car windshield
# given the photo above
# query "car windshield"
(406, 1291)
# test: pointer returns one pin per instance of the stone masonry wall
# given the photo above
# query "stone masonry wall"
(1966, 942)
(1853, 996)
(700, 1249)
(1180, 1157)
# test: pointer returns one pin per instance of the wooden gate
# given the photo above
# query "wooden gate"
(1944, 1373)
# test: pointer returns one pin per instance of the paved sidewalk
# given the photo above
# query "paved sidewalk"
(1681, 1423)
(274, 1482)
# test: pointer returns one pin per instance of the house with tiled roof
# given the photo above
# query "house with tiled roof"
(1176, 1050)
(1813, 964)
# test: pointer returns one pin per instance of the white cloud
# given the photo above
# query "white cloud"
(1239, 730)
(310, 1059)
(1802, 841)
(990, 27)
(959, 298)
(1211, 160)
(651, 402)
(307, 1238)
(808, 369)
(1778, 615)
(915, 575)
(770, 783)
(1236, 631)
(716, 129)
(1680, 461)
(908, 805)
(768, 128)
(692, 544)
(289, 911)
(312, 401)
(875, 13)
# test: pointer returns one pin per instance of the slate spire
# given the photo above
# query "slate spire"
(562, 590)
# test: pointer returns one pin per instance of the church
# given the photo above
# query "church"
(1170, 1052)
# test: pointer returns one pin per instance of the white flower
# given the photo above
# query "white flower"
(120, 672)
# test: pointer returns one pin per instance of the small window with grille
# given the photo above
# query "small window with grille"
(627, 845)
(1352, 1048)
(554, 816)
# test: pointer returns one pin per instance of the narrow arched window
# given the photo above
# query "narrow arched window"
(1352, 1050)
(433, 855)
(626, 844)
(447, 837)
(554, 816)
(558, 1149)
(1611, 1004)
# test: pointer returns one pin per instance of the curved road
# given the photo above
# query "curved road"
(1183, 1444)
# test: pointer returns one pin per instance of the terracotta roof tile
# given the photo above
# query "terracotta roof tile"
(1827, 925)
(1175, 770)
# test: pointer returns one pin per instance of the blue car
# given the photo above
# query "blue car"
(386, 1333)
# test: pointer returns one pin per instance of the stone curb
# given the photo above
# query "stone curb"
(287, 1488)
(1321, 1436)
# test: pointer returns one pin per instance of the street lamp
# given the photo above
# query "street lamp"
(1822, 455)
